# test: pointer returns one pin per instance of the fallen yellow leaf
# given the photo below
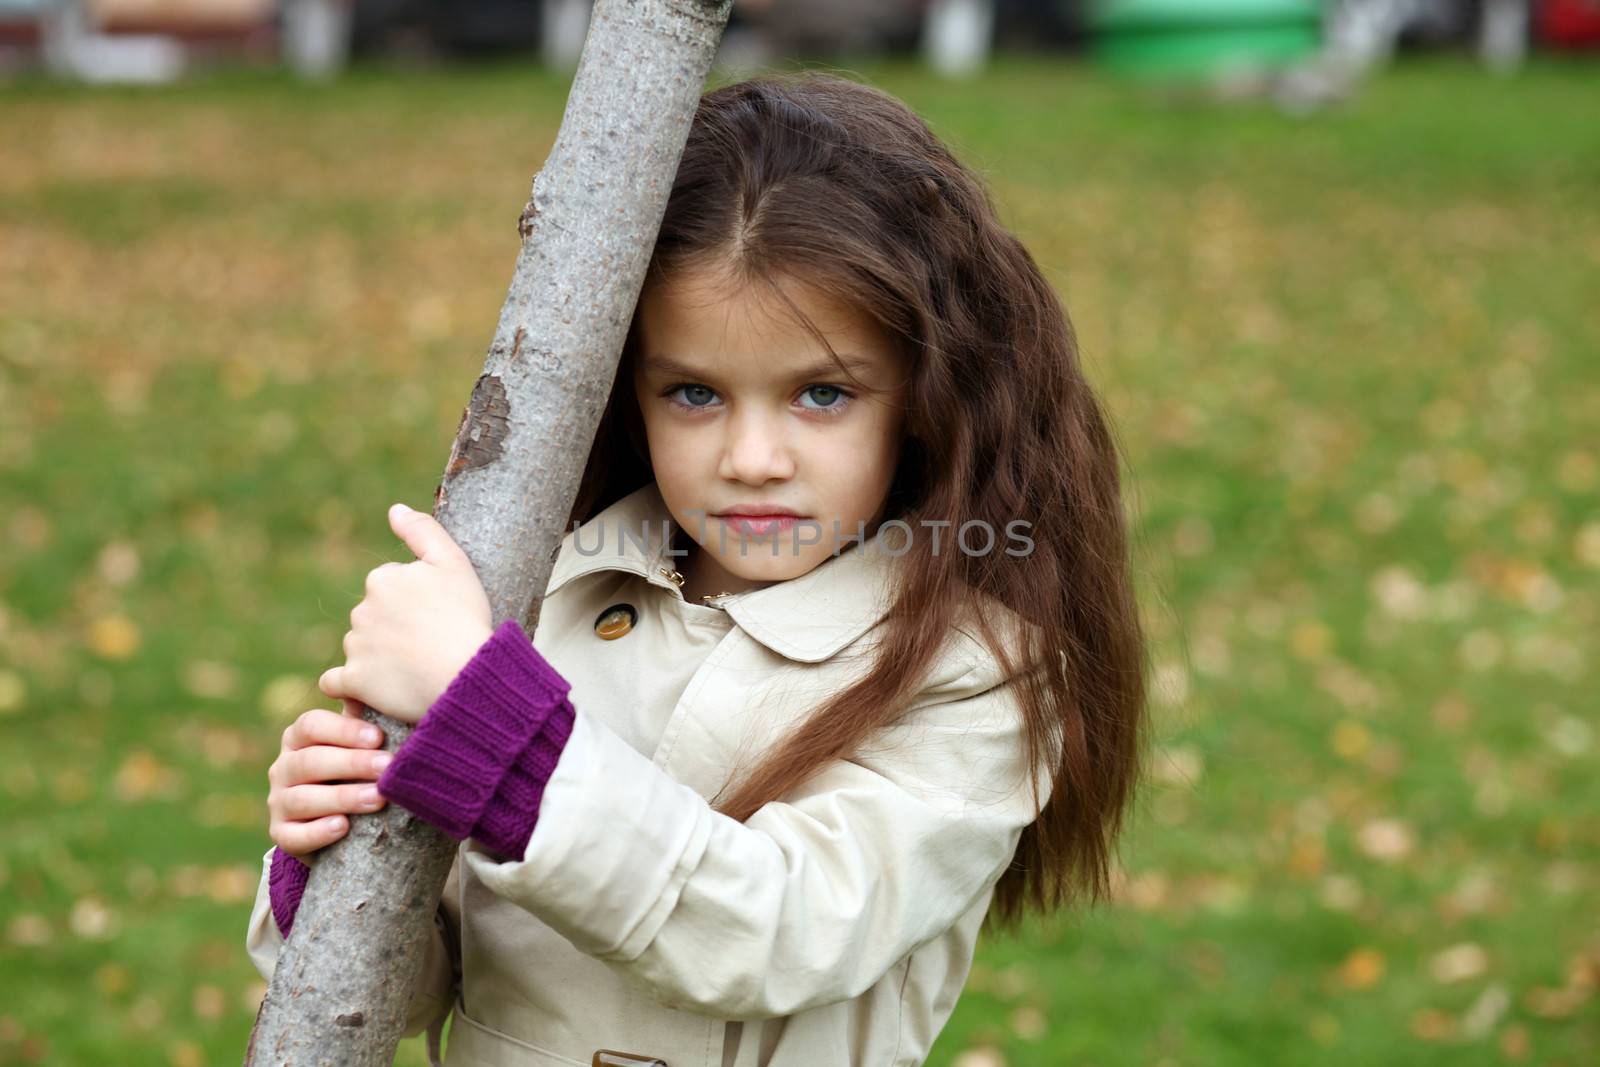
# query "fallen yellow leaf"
(287, 696)
(1386, 840)
(1458, 963)
(1361, 969)
(1350, 739)
(1311, 640)
(114, 637)
(142, 776)
(1431, 1024)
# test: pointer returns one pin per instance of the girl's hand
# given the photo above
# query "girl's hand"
(322, 746)
(417, 627)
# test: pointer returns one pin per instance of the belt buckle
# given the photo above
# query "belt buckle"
(605, 1057)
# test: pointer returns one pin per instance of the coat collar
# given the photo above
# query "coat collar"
(809, 618)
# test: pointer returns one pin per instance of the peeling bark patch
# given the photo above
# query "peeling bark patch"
(529, 210)
(516, 343)
(483, 427)
(355, 1018)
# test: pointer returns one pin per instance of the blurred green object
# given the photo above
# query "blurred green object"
(1175, 37)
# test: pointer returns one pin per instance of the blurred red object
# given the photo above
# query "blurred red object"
(1570, 23)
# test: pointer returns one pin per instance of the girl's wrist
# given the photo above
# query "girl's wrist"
(457, 658)
(451, 766)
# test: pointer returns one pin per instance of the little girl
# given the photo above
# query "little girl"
(839, 660)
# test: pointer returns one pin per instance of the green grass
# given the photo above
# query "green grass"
(1355, 364)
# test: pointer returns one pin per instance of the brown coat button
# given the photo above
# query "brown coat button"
(605, 1057)
(615, 621)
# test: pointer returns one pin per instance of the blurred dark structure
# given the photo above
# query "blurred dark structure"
(157, 40)
(836, 27)
(832, 28)
(811, 28)
(463, 27)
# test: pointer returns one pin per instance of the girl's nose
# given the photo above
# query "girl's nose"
(757, 450)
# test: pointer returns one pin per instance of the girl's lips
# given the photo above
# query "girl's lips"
(760, 525)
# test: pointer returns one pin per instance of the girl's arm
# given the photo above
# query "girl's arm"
(470, 767)
(809, 902)
(477, 762)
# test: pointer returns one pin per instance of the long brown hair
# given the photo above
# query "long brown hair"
(842, 186)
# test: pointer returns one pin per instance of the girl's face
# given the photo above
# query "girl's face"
(744, 410)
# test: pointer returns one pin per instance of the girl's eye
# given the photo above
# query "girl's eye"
(699, 396)
(831, 399)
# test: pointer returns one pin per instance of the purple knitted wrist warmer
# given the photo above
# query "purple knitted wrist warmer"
(477, 762)
(286, 881)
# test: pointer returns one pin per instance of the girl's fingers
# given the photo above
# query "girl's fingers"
(329, 763)
(299, 839)
(304, 803)
(327, 767)
(320, 726)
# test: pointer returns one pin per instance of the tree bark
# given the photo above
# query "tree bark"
(343, 980)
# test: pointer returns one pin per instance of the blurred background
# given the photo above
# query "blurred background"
(1335, 269)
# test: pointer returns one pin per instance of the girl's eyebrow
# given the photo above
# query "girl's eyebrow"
(660, 363)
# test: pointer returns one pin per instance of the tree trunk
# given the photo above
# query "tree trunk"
(342, 982)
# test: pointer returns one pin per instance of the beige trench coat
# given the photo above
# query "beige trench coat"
(834, 927)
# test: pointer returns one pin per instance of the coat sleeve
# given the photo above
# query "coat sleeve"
(432, 995)
(809, 902)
